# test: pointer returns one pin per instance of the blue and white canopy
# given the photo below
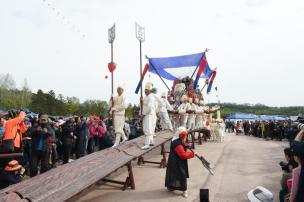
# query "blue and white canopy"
(178, 67)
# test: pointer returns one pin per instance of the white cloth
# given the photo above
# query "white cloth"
(165, 121)
(199, 117)
(191, 118)
(183, 115)
(127, 129)
(157, 107)
(149, 112)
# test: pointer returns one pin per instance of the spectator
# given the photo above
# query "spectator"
(2, 127)
(297, 189)
(11, 174)
(81, 136)
(287, 172)
(40, 149)
(14, 127)
(68, 136)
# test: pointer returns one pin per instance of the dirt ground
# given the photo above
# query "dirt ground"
(240, 163)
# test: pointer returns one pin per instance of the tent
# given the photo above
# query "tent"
(241, 116)
(273, 118)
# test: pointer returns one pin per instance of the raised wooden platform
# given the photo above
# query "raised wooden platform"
(66, 181)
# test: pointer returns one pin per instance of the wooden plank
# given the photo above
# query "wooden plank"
(12, 197)
(9, 155)
(65, 181)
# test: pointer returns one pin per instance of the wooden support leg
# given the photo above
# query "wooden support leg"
(193, 139)
(140, 160)
(163, 163)
(129, 182)
(130, 179)
(199, 138)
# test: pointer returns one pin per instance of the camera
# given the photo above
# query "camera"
(298, 125)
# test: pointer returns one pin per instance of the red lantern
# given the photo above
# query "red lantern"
(111, 66)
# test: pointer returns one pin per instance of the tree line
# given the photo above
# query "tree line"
(59, 105)
(260, 109)
(50, 103)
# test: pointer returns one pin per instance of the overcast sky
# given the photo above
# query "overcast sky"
(257, 45)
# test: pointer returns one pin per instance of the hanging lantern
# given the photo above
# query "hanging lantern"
(111, 66)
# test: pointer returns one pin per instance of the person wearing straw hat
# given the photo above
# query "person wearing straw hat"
(177, 168)
(118, 109)
(11, 174)
(149, 113)
(165, 121)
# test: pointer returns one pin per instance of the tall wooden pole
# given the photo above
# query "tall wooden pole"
(140, 35)
(111, 37)
(112, 84)
(141, 78)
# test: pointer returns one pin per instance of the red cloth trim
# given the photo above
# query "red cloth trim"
(182, 154)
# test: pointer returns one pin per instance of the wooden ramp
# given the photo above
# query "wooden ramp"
(66, 181)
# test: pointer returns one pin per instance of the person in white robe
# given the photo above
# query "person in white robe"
(118, 108)
(182, 111)
(199, 114)
(192, 115)
(149, 113)
(165, 121)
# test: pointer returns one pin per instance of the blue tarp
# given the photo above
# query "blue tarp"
(255, 117)
(241, 116)
(173, 68)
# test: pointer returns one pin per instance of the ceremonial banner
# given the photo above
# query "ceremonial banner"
(211, 82)
(143, 76)
(178, 67)
(200, 70)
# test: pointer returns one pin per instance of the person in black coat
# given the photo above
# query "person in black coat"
(177, 168)
(40, 151)
(68, 137)
(80, 130)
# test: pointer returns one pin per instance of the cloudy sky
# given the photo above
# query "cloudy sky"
(257, 45)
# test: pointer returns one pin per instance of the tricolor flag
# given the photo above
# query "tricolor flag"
(211, 81)
(143, 76)
(200, 70)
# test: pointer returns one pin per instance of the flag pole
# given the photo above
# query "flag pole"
(159, 75)
(140, 35)
(111, 37)
(206, 50)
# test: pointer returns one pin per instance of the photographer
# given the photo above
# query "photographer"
(40, 149)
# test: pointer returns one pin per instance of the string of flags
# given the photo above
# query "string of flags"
(68, 23)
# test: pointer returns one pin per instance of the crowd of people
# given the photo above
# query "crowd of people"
(267, 129)
(48, 142)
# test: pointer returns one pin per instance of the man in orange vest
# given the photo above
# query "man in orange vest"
(14, 128)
